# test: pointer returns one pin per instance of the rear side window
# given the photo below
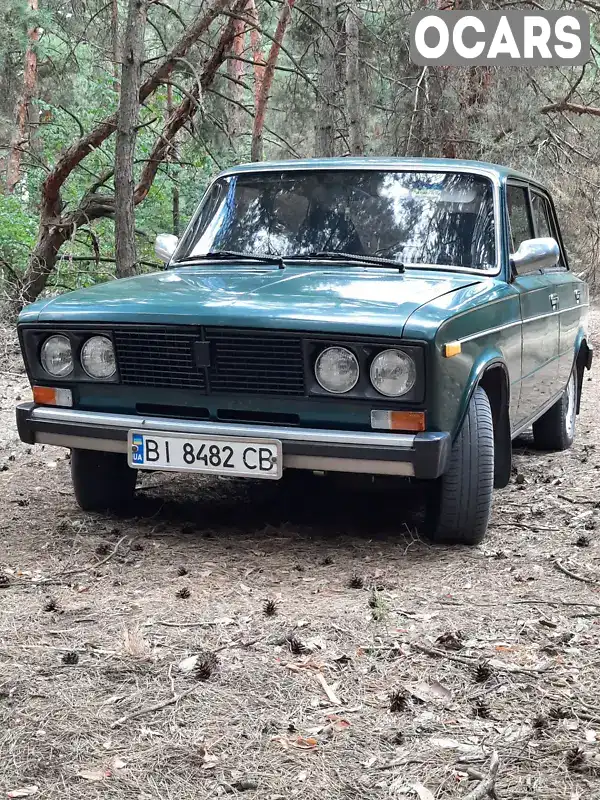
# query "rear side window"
(521, 227)
(544, 221)
(541, 215)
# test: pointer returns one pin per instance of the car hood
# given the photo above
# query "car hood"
(355, 299)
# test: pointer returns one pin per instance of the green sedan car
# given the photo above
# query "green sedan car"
(398, 317)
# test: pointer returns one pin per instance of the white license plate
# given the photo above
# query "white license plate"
(215, 455)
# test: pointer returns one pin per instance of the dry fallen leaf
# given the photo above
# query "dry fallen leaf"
(427, 692)
(423, 792)
(188, 664)
(26, 791)
(305, 743)
(209, 760)
(445, 743)
(94, 774)
(337, 723)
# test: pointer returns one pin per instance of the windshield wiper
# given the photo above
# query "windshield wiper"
(340, 255)
(265, 258)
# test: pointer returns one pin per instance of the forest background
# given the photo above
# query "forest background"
(115, 114)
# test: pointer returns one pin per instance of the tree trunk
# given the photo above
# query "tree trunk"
(172, 156)
(325, 124)
(20, 138)
(129, 107)
(236, 72)
(267, 80)
(116, 44)
(257, 53)
(353, 103)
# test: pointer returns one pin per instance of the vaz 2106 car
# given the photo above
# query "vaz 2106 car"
(391, 317)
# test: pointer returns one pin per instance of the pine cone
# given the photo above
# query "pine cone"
(72, 657)
(483, 672)
(398, 701)
(481, 709)
(297, 647)
(270, 608)
(205, 666)
(356, 582)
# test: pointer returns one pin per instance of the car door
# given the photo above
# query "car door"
(539, 313)
(571, 292)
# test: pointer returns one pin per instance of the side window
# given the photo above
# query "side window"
(541, 217)
(544, 221)
(519, 216)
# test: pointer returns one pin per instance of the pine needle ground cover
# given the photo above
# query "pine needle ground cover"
(272, 675)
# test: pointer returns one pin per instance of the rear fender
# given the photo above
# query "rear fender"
(583, 357)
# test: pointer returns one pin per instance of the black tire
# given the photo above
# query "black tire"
(555, 430)
(102, 481)
(459, 510)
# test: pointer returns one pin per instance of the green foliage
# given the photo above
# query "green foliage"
(407, 111)
(18, 228)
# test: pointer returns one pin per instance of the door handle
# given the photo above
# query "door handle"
(578, 296)
(554, 301)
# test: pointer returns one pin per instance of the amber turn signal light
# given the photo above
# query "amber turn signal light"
(452, 349)
(404, 421)
(48, 396)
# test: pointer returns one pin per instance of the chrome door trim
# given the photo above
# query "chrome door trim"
(498, 328)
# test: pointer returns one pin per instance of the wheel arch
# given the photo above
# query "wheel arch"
(492, 376)
(495, 383)
(583, 360)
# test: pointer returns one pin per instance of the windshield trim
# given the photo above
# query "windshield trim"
(492, 176)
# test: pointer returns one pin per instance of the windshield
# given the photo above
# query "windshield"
(414, 218)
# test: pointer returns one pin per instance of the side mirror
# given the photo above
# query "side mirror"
(165, 246)
(536, 254)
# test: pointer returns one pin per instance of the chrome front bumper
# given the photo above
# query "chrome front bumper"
(422, 455)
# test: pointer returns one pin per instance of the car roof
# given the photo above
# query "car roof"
(497, 171)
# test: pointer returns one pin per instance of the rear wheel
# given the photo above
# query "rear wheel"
(459, 510)
(102, 481)
(555, 430)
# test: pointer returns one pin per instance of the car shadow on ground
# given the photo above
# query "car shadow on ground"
(328, 507)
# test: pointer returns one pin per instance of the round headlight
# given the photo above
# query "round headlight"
(57, 357)
(393, 373)
(337, 370)
(98, 357)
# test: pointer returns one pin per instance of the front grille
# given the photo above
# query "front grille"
(255, 362)
(241, 362)
(160, 357)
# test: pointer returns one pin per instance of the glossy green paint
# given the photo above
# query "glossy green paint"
(495, 318)
(319, 298)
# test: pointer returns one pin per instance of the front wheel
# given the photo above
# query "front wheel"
(102, 481)
(555, 430)
(459, 510)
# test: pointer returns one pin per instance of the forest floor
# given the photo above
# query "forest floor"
(416, 663)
